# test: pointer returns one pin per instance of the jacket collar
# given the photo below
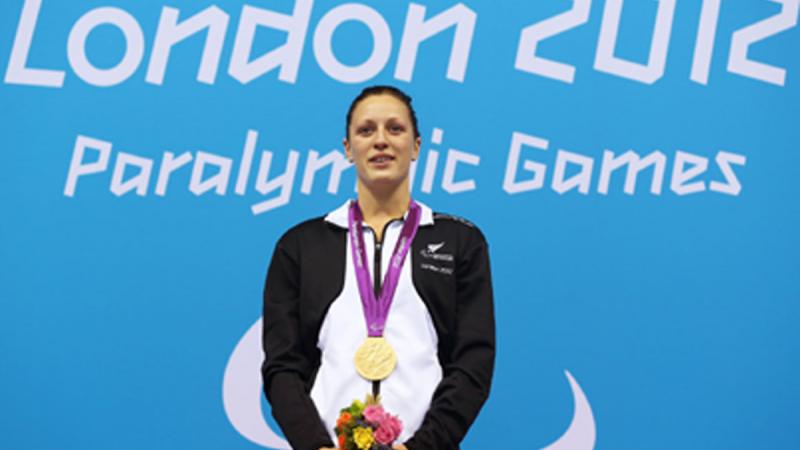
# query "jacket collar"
(338, 216)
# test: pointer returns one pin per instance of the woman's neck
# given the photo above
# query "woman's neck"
(380, 206)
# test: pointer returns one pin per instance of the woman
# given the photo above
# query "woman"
(431, 271)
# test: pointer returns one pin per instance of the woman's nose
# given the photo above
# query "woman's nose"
(380, 139)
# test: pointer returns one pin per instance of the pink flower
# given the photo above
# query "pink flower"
(384, 436)
(374, 414)
(388, 429)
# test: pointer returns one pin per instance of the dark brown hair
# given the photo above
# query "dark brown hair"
(382, 90)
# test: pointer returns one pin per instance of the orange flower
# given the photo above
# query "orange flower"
(342, 441)
(344, 419)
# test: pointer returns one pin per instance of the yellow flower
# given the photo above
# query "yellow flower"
(363, 437)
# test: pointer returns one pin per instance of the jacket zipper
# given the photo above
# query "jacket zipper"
(376, 263)
(376, 266)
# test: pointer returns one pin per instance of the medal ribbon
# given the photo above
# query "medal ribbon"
(376, 310)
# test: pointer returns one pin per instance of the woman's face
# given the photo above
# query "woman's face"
(381, 141)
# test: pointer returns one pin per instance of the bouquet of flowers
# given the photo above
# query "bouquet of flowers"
(366, 426)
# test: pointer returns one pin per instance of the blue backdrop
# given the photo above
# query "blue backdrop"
(632, 166)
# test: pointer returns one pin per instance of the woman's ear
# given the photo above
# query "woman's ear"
(347, 153)
(417, 144)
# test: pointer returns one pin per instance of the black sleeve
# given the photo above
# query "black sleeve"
(467, 374)
(286, 369)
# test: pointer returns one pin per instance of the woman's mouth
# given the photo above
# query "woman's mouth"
(381, 159)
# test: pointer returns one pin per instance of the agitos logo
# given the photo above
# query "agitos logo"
(242, 392)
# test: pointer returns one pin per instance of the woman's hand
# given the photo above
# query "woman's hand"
(399, 447)
(327, 448)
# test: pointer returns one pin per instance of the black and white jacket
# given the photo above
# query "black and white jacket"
(441, 325)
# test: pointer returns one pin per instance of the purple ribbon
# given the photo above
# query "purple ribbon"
(376, 310)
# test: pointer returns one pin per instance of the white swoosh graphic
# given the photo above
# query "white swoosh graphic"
(581, 433)
(241, 392)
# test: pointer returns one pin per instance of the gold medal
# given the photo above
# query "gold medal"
(375, 359)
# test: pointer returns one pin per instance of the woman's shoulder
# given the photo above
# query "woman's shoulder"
(308, 227)
(312, 231)
(458, 220)
(454, 225)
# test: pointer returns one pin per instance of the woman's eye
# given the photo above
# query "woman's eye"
(364, 130)
(396, 128)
